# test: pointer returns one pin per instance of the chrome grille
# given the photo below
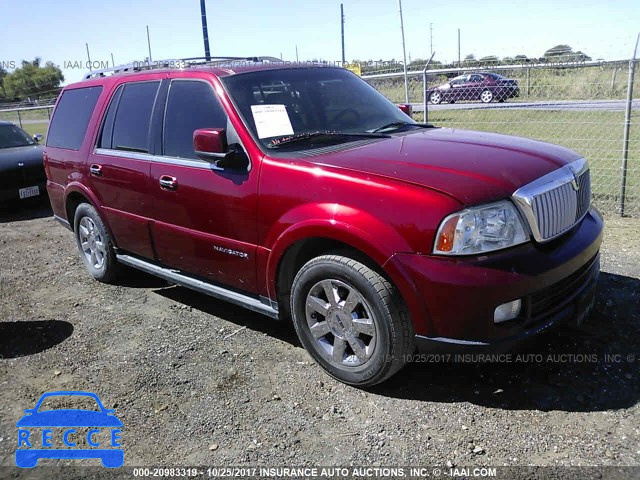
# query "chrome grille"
(556, 202)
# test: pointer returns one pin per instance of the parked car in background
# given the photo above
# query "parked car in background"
(21, 168)
(486, 87)
(303, 193)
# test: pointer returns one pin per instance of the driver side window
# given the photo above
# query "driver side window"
(191, 104)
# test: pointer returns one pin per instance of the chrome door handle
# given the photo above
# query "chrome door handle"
(168, 183)
(96, 170)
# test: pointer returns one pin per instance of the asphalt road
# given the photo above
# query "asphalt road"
(565, 105)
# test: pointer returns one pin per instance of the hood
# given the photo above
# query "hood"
(473, 167)
(29, 156)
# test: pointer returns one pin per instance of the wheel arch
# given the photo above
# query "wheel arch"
(299, 245)
(76, 194)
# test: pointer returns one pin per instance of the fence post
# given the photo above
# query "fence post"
(424, 88)
(627, 126)
(19, 118)
(528, 80)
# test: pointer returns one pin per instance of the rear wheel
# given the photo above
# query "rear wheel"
(94, 244)
(435, 97)
(351, 320)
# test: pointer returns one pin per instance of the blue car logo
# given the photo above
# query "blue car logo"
(40, 433)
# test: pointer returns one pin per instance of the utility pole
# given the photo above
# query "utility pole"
(404, 54)
(88, 56)
(297, 60)
(342, 24)
(431, 37)
(459, 62)
(205, 33)
(149, 44)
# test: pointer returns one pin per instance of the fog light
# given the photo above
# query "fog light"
(507, 311)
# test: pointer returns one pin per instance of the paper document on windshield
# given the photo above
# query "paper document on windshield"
(271, 120)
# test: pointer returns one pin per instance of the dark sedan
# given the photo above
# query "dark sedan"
(486, 87)
(21, 168)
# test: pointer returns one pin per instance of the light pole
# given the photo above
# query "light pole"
(404, 54)
(205, 33)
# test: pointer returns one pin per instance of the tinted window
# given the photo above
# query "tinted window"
(133, 117)
(71, 118)
(106, 136)
(191, 105)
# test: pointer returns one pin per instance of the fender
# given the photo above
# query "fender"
(355, 228)
(77, 187)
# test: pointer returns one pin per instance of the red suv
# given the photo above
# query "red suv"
(301, 192)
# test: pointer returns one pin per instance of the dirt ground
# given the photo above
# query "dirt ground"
(200, 382)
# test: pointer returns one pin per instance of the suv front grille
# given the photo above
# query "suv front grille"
(554, 203)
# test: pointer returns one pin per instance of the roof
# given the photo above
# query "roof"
(221, 70)
(4, 124)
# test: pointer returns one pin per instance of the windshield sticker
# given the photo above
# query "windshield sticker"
(271, 120)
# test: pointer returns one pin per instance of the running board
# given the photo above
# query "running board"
(179, 278)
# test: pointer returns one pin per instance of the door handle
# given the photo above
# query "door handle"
(96, 170)
(168, 183)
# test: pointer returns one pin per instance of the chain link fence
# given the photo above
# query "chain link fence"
(33, 119)
(581, 106)
(585, 107)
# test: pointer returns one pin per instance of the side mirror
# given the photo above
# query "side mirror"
(38, 137)
(210, 145)
(406, 108)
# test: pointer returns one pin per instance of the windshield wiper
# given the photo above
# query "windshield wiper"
(308, 136)
(398, 125)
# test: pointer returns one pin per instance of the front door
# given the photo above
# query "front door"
(204, 218)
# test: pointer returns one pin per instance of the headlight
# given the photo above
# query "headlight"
(480, 229)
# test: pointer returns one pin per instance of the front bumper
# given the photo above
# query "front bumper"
(556, 283)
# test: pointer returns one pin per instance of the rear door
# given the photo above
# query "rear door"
(204, 217)
(120, 165)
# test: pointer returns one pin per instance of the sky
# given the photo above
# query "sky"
(58, 31)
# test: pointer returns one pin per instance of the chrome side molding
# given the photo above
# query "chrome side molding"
(265, 307)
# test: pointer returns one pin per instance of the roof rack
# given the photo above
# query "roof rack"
(174, 63)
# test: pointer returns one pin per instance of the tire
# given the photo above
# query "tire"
(362, 353)
(94, 244)
(435, 97)
(486, 96)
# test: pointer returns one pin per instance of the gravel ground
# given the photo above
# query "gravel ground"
(200, 382)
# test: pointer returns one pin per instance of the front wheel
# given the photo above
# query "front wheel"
(94, 244)
(486, 96)
(351, 320)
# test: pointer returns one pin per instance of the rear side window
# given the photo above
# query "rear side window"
(191, 105)
(71, 118)
(133, 117)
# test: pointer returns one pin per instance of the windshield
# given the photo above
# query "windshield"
(288, 103)
(12, 136)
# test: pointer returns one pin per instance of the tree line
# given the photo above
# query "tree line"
(30, 81)
(557, 54)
